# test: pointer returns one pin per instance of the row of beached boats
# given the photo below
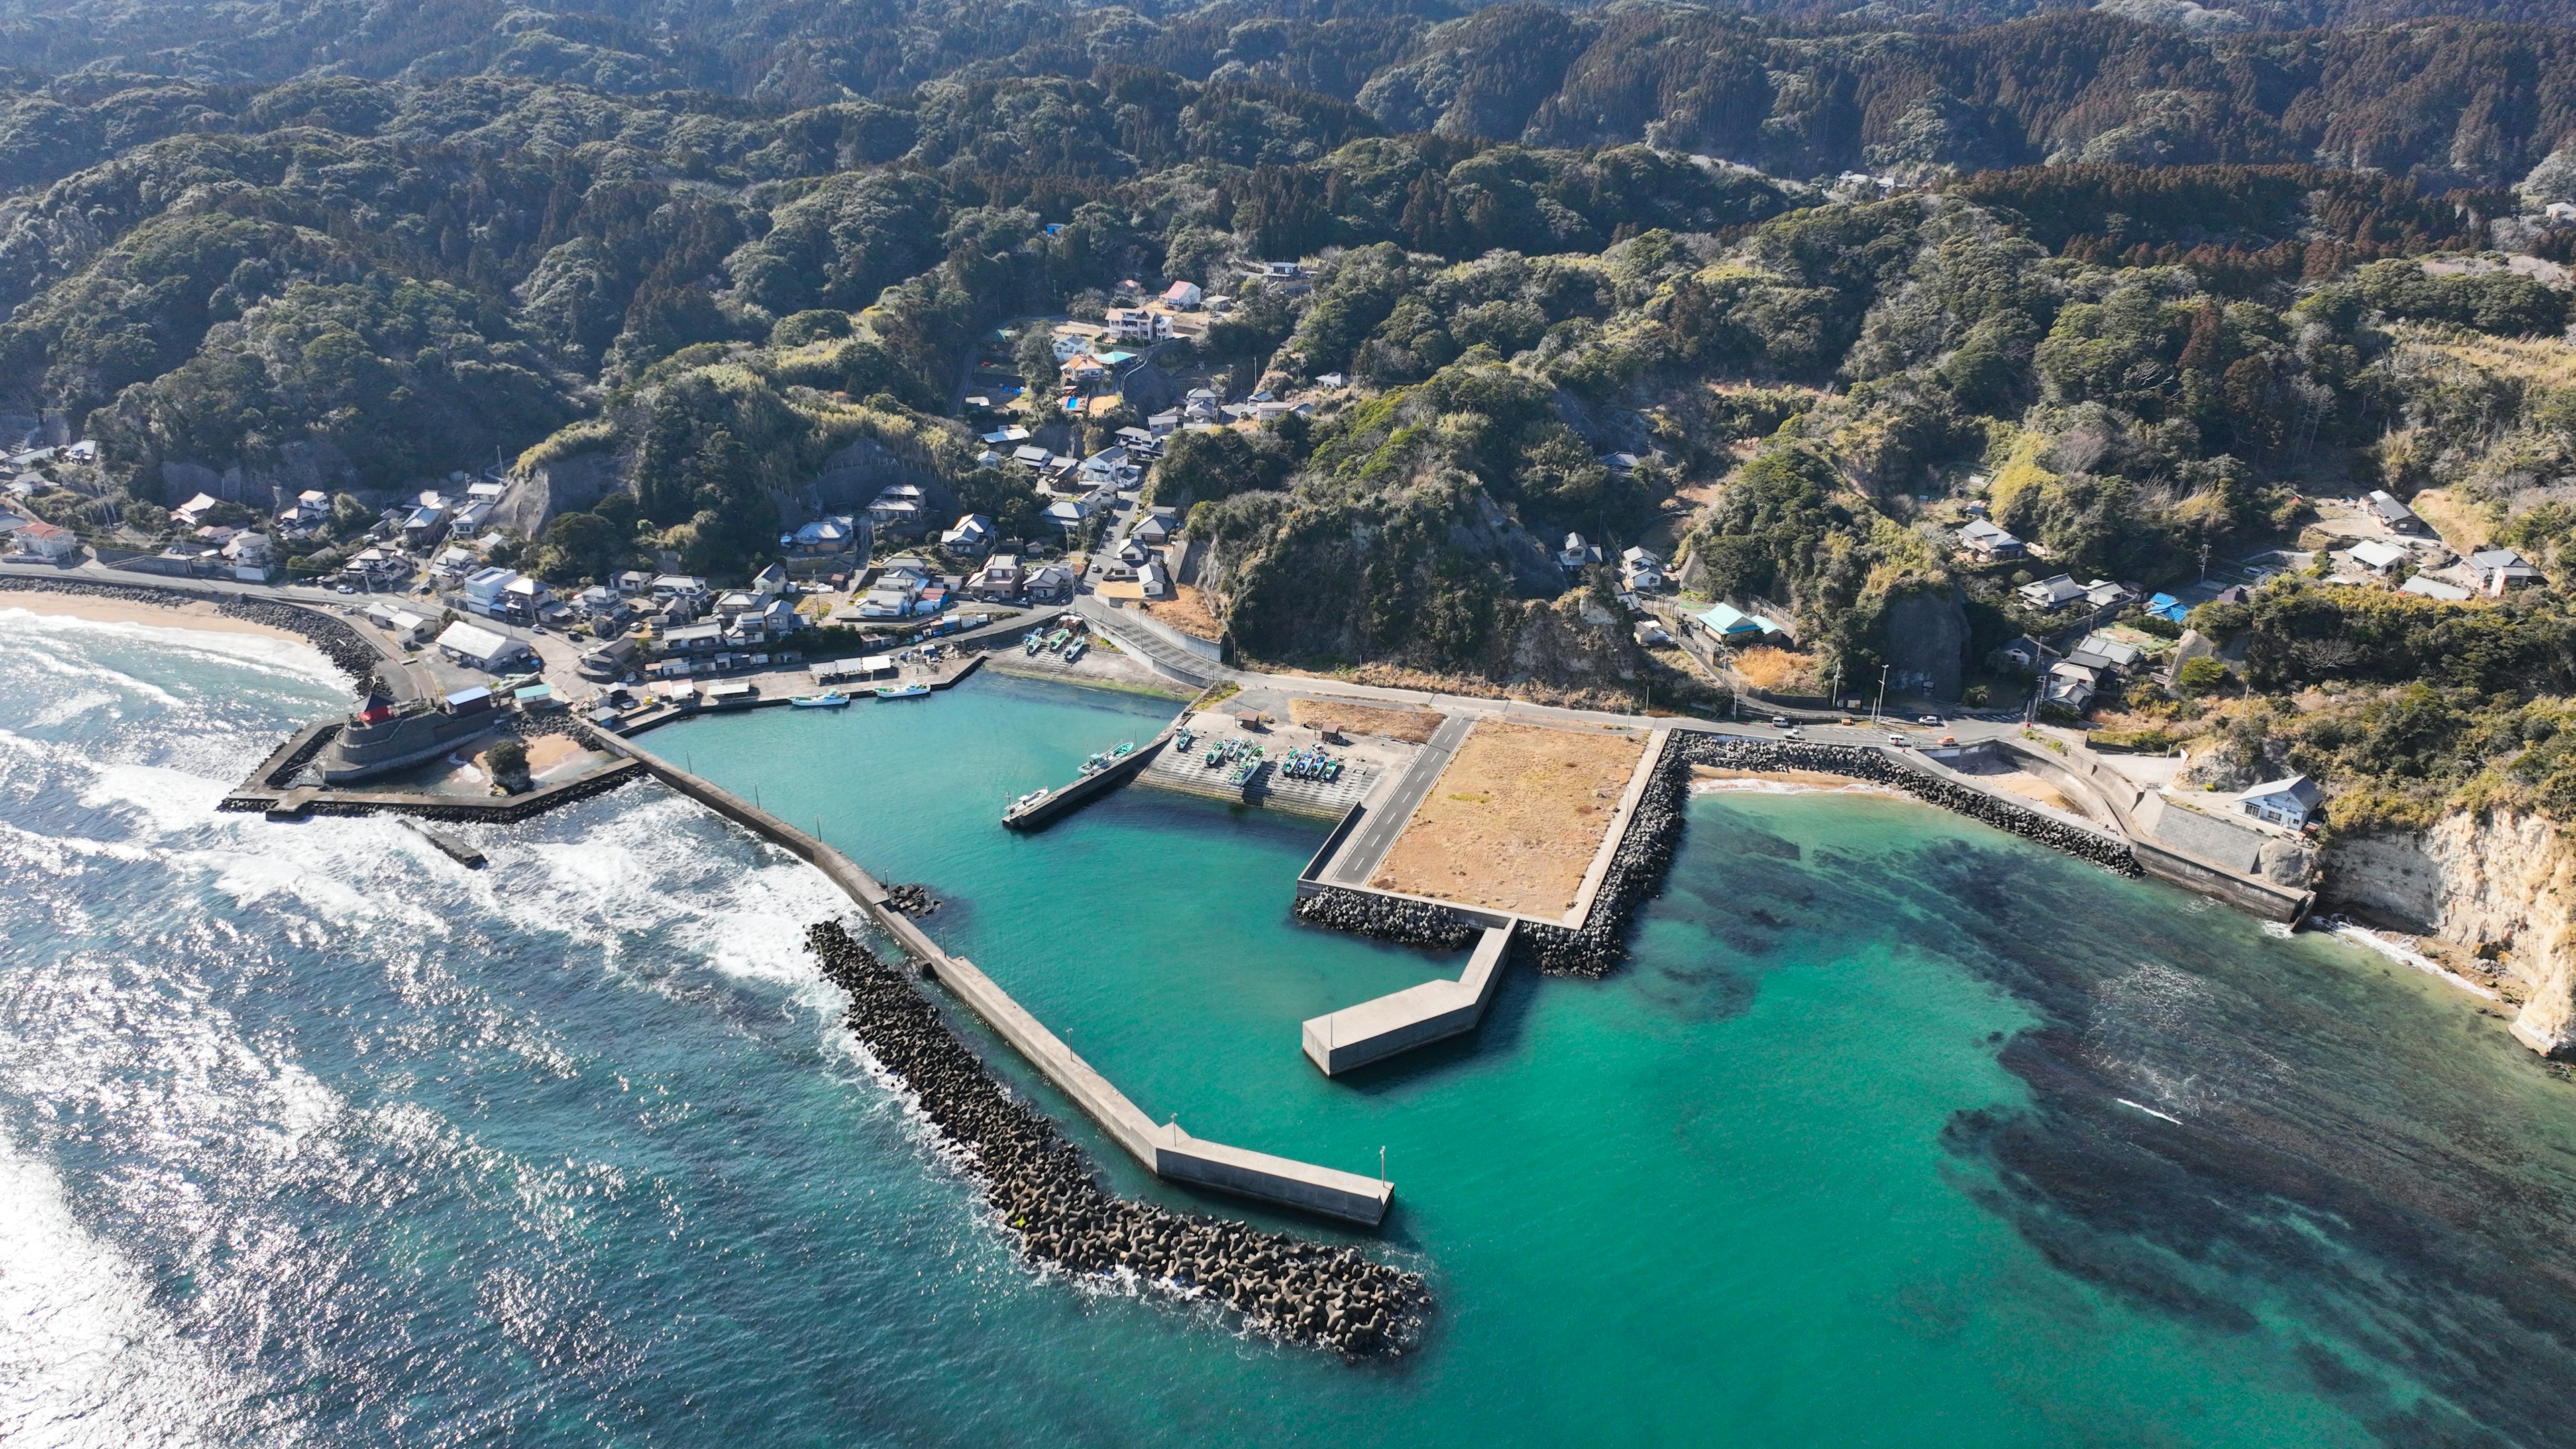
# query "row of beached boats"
(1310, 762)
(1063, 641)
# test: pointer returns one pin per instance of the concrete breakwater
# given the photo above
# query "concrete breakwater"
(1867, 762)
(1043, 1190)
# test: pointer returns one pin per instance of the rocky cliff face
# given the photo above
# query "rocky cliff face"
(1927, 642)
(2499, 883)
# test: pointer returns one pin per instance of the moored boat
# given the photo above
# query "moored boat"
(903, 691)
(828, 699)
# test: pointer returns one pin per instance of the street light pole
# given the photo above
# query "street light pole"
(1881, 707)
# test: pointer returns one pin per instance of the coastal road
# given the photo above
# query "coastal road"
(1359, 859)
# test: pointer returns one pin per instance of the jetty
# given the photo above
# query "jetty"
(1166, 1150)
(1416, 1016)
(1042, 808)
(448, 845)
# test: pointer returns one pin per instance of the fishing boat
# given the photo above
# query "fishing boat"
(1074, 651)
(1025, 801)
(1056, 641)
(903, 691)
(828, 699)
(1033, 642)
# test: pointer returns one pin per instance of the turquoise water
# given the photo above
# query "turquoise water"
(1895, 1131)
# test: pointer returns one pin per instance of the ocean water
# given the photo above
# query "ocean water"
(1894, 1131)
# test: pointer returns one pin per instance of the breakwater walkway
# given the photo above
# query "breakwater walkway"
(1165, 1149)
(1416, 1016)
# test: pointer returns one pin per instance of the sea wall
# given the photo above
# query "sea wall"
(1635, 874)
(1042, 1190)
(2500, 884)
(1405, 921)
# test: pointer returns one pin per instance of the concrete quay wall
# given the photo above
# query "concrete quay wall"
(1167, 1150)
(1416, 1016)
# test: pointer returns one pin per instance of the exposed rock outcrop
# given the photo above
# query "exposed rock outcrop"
(2498, 883)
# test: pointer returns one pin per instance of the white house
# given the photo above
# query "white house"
(486, 590)
(1640, 570)
(1183, 295)
(1138, 324)
(2379, 555)
(2287, 802)
(49, 541)
(973, 534)
(194, 511)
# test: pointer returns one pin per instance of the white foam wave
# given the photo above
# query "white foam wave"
(85, 1358)
(291, 658)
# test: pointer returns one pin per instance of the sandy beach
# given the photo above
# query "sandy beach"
(177, 614)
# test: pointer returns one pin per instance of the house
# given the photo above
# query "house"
(827, 537)
(1163, 425)
(892, 598)
(476, 647)
(2378, 555)
(1154, 579)
(897, 511)
(1986, 542)
(1332, 380)
(1640, 570)
(972, 535)
(2051, 593)
(689, 638)
(1067, 514)
(1575, 554)
(2022, 652)
(1730, 625)
(194, 511)
(999, 578)
(1619, 463)
(2501, 570)
(2114, 653)
(633, 582)
(770, 582)
(779, 618)
(2389, 511)
(1049, 584)
(524, 598)
(424, 526)
(250, 556)
(484, 590)
(2072, 685)
(2286, 802)
(1137, 324)
(1156, 528)
(1183, 295)
(2167, 608)
(48, 541)
(1283, 278)
(2104, 594)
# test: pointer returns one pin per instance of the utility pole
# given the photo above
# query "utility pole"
(1837, 700)
(1880, 708)
(2204, 561)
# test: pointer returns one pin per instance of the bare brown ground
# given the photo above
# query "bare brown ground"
(1410, 725)
(1514, 821)
(1187, 611)
(547, 751)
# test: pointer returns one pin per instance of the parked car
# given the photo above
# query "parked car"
(1779, 722)
(1928, 719)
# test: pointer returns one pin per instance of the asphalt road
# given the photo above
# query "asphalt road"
(1360, 857)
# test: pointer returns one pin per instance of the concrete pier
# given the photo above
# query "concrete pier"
(1065, 799)
(1167, 1150)
(1400, 1021)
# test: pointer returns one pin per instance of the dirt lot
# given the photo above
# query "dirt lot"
(1187, 611)
(1413, 726)
(1514, 821)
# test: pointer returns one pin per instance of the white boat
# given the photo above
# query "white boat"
(903, 691)
(828, 699)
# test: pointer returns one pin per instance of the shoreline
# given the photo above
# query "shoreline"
(180, 613)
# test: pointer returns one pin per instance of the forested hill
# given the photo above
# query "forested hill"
(1777, 296)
